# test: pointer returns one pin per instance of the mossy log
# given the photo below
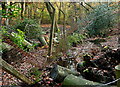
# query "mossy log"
(7, 67)
(118, 74)
(25, 42)
(5, 47)
(42, 40)
(58, 73)
(74, 81)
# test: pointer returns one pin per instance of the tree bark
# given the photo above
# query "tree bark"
(83, 6)
(64, 22)
(26, 9)
(58, 73)
(59, 13)
(42, 40)
(4, 10)
(7, 19)
(74, 81)
(7, 67)
(25, 42)
(2, 22)
(118, 74)
(89, 5)
(22, 6)
(51, 11)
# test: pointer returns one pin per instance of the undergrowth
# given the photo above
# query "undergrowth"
(31, 28)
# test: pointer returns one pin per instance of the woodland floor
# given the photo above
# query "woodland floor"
(37, 58)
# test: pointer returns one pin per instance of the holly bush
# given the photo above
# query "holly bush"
(101, 20)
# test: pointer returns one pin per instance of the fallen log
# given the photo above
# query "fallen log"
(24, 42)
(58, 73)
(74, 81)
(42, 40)
(7, 67)
(5, 47)
(118, 74)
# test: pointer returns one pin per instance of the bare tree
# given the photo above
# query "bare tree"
(51, 11)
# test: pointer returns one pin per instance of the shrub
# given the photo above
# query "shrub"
(19, 39)
(76, 38)
(4, 31)
(101, 19)
(31, 28)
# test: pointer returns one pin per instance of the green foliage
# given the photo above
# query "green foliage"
(46, 18)
(13, 11)
(18, 38)
(101, 19)
(75, 38)
(31, 28)
(97, 22)
(4, 31)
(36, 72)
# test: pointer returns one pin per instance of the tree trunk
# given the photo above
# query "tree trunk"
(26, 9)
(58, 73)
(51, 35)
(41, 16)
(22, 6)
(75, 9)
(7, 67)
(59, 13)
(2, 22)
(7, 19)
(64, 26)
(74, 81)
(89, 5)
(29, 14)
(3, 13)
(64, 21)
(34, 10)
(51, 11)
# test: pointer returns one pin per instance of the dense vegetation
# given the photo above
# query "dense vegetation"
(57, 39)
